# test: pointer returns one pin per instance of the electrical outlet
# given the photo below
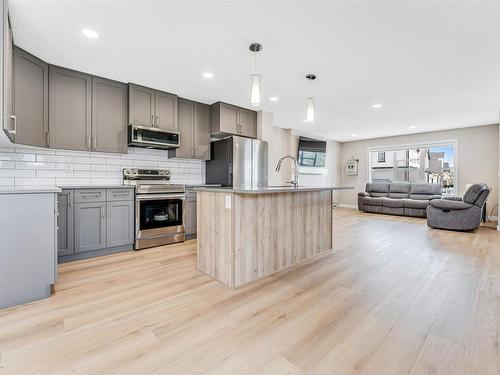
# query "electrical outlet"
(228, 202)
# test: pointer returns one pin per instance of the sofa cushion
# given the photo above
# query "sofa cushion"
(445, 204)
(395, 203)
(472, 193)
(425, 191)
(399, 187)
(415, 203)
(398, 195)
(372, 201)
(377, 187)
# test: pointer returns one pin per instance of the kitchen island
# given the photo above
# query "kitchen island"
(247, 234)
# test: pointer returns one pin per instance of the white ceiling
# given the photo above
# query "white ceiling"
(433, 65)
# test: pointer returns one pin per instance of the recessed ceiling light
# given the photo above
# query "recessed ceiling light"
(274, 98)
(412, 127)
(208, 75)
(354, 135)
(90, 33)
(377, 105)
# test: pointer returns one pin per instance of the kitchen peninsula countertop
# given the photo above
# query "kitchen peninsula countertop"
(271, 189)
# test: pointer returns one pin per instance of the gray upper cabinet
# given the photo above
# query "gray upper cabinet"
(229, 119)
(201, 131)
(65, 224)
(247, 121)
(166, 111)
(141, 105)
(194, 130)
(185, 122)
(9, 119)
(31, 99)
(109, 115)
(90, 226)
(120, 223)
(69, 109)
(149, 107)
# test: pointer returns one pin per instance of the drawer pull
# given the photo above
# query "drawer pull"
(90, 196)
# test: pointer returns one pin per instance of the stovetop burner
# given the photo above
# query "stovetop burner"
(150, 181)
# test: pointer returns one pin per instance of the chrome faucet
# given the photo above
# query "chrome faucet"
(295, 181)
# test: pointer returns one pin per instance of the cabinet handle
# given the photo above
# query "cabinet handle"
(153, 121)
(94, 141)
(90, 196)
(88, 142)
(47, 139)
(157, 121)
(109, 210)
(103, 212)
(13, 132)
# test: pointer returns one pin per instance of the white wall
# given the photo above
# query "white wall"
(283, 141)
(31, 166)
(478, 158)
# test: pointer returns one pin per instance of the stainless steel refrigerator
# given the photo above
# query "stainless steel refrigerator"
(237, 162)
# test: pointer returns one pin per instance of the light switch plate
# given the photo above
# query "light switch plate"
(228, 202)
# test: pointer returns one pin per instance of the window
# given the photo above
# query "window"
(426, 163)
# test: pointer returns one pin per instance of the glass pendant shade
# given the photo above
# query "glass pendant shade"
(310, 115)
(255, 90)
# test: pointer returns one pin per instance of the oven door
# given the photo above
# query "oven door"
(159, 215)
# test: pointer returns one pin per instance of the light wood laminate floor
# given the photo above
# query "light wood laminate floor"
(395, 298)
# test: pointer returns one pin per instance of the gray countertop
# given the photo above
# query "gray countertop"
(67, 187)
(271, 189)
(29, 189)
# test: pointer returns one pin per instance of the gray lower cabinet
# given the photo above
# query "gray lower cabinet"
(94, 219)
(190, 226)
(229, 119)
(109, 115)
(65, 223)
(69, 109)
(120, 223)
(90, 226)
(194, 130)
(31, 99)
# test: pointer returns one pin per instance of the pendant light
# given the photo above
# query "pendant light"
(310, 106)
(255, 93)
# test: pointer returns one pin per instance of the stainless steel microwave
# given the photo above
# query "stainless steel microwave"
(149, 137)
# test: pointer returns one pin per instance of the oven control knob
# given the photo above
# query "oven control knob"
(127, 172)
(134, 172)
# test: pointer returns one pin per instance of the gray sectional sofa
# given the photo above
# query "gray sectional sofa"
(463, 214)
(398, 198)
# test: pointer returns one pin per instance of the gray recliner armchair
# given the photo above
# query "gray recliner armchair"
(455, 213)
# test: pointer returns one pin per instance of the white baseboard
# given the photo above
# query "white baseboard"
(348, 205)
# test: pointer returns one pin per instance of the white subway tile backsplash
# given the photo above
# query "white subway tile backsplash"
(7, 164)
(47, 173)
(34, 165)
(17, 173)
(28, 181)
(27, 166)
(72, 181)
(106, 168)
(14, 156)
(90, 174)
(54, 158)
(7, 181)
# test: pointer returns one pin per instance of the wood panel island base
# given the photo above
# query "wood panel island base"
(245, 235)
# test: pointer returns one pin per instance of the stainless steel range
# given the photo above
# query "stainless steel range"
(159, 207)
